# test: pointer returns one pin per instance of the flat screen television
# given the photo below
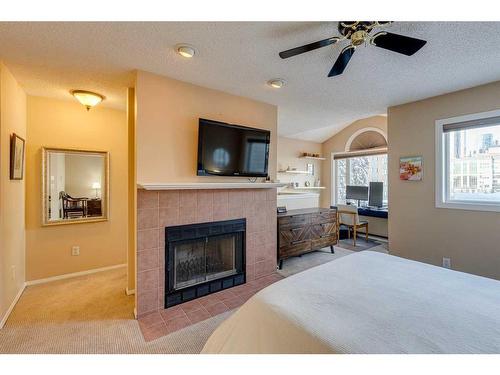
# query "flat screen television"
(232, 150)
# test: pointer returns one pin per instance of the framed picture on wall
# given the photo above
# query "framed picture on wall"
(411, 168)
(16, 157)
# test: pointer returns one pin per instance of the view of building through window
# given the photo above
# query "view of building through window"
(360, 171)
(474, 164)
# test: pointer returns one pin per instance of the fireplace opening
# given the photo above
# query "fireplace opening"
(203, 258)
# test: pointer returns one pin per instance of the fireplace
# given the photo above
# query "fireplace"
(203, 258)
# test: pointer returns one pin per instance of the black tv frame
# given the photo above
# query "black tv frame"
(202, 172)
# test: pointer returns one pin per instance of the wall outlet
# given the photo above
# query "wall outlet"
(446, 262)
(75, 250)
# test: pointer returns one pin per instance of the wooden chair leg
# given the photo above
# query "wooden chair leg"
(367, 231)
(348, 233)
(354, 235)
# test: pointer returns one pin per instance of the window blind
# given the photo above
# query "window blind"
(471, 124)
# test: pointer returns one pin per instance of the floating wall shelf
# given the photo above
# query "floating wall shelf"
(309, 187)
(294, 171)
(311, 157)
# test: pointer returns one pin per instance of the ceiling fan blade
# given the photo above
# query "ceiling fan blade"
(308, 47)
(397, 43)
(342, 61)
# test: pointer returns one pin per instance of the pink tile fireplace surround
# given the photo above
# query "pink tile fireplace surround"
(159, 209)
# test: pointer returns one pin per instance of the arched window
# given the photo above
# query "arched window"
(366, 139)
(363, 161)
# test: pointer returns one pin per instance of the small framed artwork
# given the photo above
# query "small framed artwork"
(16, 157)
(411, 168)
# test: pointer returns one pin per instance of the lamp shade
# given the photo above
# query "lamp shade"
(87, 98)
(96, 185)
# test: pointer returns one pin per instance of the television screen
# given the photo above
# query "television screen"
(232, 150)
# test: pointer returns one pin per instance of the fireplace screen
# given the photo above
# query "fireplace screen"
(203, 260)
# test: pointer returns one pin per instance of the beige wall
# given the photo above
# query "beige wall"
(167, 126)
(12, 216)
(338, 142)
(289, 151)
(417, 229)
(66, 124)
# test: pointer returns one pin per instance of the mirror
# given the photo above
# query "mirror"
(75, 186)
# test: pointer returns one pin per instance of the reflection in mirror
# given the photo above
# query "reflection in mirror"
(75, 186)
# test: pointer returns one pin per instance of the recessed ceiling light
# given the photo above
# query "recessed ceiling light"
(185, 50)
(87, 98)
(276, 83)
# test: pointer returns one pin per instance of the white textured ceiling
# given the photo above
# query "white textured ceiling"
(50, 58)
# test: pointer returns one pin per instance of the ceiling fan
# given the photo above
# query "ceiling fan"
(358, 33)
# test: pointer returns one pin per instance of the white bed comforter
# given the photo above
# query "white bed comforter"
(367, 302)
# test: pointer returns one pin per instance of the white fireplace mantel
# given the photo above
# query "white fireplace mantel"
(208, 185)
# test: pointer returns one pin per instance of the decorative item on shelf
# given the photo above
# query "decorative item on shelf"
(296, 184)
(16, 157)
(317, 183)
(310, 155)
(310, 168)
(411, 168)
(307, 184)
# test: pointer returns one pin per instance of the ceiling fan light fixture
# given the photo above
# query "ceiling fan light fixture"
(88, 99)
(185, 50)
(276, 83)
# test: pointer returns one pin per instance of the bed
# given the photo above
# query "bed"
(367, 302)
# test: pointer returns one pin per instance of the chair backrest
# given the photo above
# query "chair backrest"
(349, 219)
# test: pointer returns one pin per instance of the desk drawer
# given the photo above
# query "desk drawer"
(322, 242)
(295, 248)
(324, 217)
(294, 220)
(323, 230)
(292, 235)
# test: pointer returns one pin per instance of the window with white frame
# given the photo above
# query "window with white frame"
(360, 171)
(468, 162)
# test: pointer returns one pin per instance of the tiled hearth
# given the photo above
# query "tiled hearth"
(159, 209)
(158, 324)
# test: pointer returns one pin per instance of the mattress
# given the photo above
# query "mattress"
(367, 302)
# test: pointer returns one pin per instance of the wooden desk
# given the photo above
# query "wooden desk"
(305, 230)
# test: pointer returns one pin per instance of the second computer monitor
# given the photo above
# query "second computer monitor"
(376, 197)
(359, 193)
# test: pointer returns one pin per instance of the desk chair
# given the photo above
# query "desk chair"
(348, 215)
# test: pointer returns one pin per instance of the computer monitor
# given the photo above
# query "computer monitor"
(376, 196)
(359, 193)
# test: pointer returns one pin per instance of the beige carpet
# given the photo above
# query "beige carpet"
(92, 314)
(313, 259)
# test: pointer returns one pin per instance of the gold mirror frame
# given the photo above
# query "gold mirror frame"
(104, 191)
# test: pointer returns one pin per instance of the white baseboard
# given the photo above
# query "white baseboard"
(129, 292)
(74, 274)
(11, 307)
